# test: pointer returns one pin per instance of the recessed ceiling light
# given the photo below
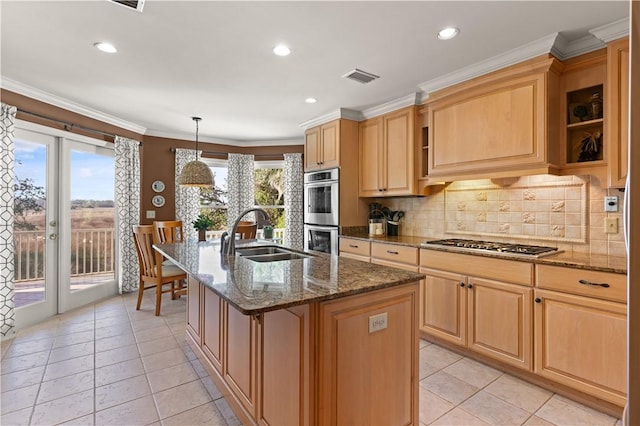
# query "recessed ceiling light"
(311, 100)
(448, 33)
(281, 50)
(105, 47)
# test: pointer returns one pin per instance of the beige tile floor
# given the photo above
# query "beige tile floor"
(108, 364)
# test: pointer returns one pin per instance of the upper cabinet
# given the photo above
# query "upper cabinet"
(616, 101)
(387, 154)
(324, 144)
(498, 125)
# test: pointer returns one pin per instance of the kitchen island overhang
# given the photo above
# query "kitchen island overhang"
(316, 340)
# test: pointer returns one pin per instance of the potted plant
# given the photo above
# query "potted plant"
(268, 232)
(202, 223)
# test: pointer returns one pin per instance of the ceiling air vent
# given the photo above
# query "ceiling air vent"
(360, 76)
(132, 4)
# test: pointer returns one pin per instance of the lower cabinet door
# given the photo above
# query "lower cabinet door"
(240, 357)
(286, 371)
(582, 343)
(500, 321)
(193, 308)
(212, 328)
(444, 305)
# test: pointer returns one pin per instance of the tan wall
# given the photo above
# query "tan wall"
(156, 157)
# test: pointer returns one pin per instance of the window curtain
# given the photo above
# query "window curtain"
(127, 193)
(293, 201)
(240, 186)
(187, 198)
(7, 271)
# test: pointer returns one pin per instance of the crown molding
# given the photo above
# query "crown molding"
(221, 141)
(349, 114)
(563, 50)
(393, 105)
(511, 57)
(42, 96)
(612, 31)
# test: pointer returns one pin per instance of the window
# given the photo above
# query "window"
(213, 201)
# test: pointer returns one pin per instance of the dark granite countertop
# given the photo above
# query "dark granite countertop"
(255, 287)
(600, 262)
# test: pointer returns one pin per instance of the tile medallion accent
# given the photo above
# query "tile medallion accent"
(491, 210)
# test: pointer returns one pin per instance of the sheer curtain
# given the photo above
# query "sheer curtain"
(7, 271)
(187, 198)
(127, 153)
(240, 186)
(293, 201)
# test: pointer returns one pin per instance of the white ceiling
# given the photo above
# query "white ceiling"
(213, 59)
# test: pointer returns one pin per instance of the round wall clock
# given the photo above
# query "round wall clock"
(157, 201)
(157, 186)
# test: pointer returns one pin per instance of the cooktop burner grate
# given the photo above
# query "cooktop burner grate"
(507, 248)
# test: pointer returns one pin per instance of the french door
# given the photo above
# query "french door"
(64, 229)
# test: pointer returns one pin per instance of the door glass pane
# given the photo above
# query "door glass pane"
(92, 213)
(30, 184)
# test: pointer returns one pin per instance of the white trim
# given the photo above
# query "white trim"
(215, 162)
(222, 141)
(268, 164)
(510, 57)
(349, 114)
(49, 98)
(563, 50)
(50, 131)
(405, 101)
(612, 31)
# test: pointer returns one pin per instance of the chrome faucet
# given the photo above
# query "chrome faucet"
(228, 242)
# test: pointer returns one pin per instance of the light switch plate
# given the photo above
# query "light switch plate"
(151, 214)
(611, 204)
(377, 322)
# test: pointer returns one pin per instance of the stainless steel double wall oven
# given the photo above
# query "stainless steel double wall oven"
(321, 214)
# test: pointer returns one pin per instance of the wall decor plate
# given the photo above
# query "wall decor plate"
(157, 186)
(157, 201)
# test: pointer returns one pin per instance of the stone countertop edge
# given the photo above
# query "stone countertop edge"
(255, 287)
(602, 263)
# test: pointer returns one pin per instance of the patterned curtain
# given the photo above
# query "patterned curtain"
(187, 198)
(128, 210)
(7, 122)
(293, 201)
(240, 186)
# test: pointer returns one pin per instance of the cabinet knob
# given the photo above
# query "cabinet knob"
(470, 285)
(537, 300)
(461, 284)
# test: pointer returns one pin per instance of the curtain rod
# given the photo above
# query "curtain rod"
(69, 126)
(226, 154)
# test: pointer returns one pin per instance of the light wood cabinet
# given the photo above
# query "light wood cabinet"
(242, 337)
(213, 328)
(358, 364)
(617, 108)
(498, 125)
(387, 154)
(489, 314)
(395, 256)
(326, 145)
(581, 343)
(355, 249)
(193, 308)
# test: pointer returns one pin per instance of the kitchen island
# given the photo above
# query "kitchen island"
(314, 340)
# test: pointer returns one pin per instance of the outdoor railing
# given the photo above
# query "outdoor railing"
(92, 252)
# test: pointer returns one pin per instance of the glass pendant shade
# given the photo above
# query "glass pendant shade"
(196, 173)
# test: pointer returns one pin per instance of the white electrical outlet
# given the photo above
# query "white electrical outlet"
(151, 214)
(377, 322)
(611, 204)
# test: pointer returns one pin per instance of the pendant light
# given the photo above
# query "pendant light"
(196, 173)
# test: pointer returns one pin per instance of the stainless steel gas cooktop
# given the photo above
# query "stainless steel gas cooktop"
(488, 246)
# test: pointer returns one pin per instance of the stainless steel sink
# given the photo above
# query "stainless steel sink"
(270, 254)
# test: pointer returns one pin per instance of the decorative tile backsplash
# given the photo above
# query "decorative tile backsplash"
(552, 211)
(563, 211)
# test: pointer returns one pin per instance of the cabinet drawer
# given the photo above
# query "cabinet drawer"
(582, 282)
(486, 267)
(359, 247)
(405, 266)
(395, 253)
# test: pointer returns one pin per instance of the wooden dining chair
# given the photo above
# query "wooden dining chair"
(153, 274)
(168, 231)
(247, 230)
